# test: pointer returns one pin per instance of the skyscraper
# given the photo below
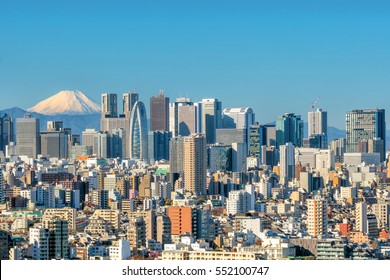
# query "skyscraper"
(158, 145)
(174, 114)
(176, 155)
(27, 136)
(211, 118)
(365, 124)
(159, 112)
(6, 131)
(111, 121)
(317, 220)
(289, 128)
(287, 163)
(187, 119)
(317, 122)
(239, 118)
(195, 163)
(139, 132)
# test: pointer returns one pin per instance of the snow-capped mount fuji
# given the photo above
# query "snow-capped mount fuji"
(66, 102)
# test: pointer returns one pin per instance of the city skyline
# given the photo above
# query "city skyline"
(296, 52)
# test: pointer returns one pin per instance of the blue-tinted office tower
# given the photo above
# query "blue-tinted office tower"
(289, 128)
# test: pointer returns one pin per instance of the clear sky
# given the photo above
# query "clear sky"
(274, 56)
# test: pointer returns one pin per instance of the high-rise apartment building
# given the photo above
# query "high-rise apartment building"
(183, 220)
(361, 217)
(287, 163)
(317, 219)
(211, 118)
(58, 238)
(159, 112)
(365, 124)
(289, 128)
(195, 163)
(176, 155)
(27, 136)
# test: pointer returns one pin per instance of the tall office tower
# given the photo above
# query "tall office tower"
(195, 163)
(338, 147)
(268, 135)
(365, 124)
(88, 136)
(187, 119)
(54, 144)
(27, 136)
(287, 162)
(255, 141)
(55, 141)
(139, 132)
(317, 216)
(158, 145)
(111, 120)
(211, 118)
(239, 157)
(361, 217)
(317, 122)
(176, 155)
(6, 131)
(129, 99)
(174, 114)
(118, 136)
(102, 145)
(269, 155)
(183, 220)
(159, 112)
(289, 128)
(58, 238)
(239, 118)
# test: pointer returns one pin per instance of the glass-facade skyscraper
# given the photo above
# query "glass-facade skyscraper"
(289, 128)
(139, 132)
(365, 125)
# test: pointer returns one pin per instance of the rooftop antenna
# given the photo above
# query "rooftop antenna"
(314, 103)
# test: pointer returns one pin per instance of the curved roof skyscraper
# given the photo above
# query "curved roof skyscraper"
(139, 132)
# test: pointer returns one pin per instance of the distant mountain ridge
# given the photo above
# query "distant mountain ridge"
(77, 123)
(66, 102)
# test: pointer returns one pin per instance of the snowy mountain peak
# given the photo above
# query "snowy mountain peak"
(66, 102)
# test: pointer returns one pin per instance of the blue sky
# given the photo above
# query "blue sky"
(275, 56)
